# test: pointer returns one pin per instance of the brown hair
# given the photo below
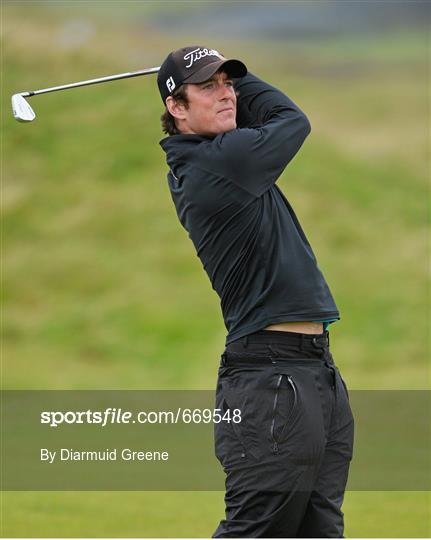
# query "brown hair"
(168, 121)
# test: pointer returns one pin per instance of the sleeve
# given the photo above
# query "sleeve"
(271, 130)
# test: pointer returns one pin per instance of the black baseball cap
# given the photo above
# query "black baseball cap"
(194, 64)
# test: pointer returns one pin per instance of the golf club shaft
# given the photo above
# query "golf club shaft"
(91, 81)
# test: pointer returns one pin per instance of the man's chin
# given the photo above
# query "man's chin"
(227, 126)
(223, 128)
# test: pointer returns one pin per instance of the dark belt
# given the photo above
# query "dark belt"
(318, 341)
(273, 337)
(279, 336)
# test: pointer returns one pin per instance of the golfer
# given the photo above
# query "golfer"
(230, 137)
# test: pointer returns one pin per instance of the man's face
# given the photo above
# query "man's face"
(211, 109)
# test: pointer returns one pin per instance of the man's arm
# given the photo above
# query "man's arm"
(271, 130)
(258, 100)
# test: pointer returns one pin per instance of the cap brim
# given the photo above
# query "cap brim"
(234, 68)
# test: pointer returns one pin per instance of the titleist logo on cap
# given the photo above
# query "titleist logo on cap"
(197, 54)
(194, 65)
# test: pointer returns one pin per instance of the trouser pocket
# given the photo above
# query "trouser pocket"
(344, 413)
(230, 447)
(285, 405)
(230, 444)
(267, 402)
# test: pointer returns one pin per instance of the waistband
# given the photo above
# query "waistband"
(272, 346)
(281, 337)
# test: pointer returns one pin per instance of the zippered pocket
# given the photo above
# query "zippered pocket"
(285, 410)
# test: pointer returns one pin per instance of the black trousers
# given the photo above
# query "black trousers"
(287, 460)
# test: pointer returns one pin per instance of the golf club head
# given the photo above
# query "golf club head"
(21, 109)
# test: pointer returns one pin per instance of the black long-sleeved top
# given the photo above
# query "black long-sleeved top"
(245, 232)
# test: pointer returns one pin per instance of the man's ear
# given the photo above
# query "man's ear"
(177, 109)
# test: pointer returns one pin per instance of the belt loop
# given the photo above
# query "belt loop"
(246, 341)
(223, 359)
(273, 354)
(302, 342)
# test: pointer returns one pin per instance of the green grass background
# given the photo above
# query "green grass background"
(101, 288)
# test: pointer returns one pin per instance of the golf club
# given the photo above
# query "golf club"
(23, 112)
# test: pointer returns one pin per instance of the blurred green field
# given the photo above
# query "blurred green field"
(101, 287)
(190, 515)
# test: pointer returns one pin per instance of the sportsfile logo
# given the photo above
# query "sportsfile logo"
(197, 54)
